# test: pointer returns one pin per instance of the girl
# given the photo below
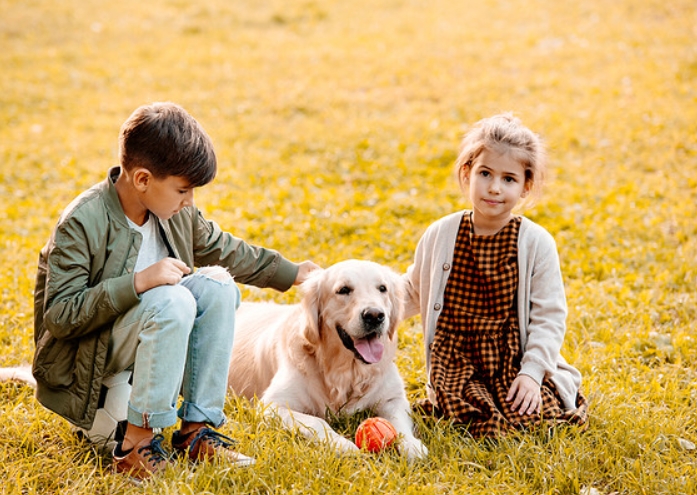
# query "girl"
(489, 288)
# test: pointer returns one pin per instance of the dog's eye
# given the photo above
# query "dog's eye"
(382, 288)
(345, 290)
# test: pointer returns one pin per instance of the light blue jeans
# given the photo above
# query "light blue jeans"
(178, 339)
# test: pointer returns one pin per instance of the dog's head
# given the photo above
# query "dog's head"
(359, 301)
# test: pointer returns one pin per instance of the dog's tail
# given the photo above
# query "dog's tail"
(19, 373)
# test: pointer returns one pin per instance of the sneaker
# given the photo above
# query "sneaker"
(206, 444)
(143, 460)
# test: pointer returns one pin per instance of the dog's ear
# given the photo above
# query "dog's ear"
(311, 306)
(397, 297)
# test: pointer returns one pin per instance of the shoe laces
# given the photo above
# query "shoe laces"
(213, 437)
(154, 451)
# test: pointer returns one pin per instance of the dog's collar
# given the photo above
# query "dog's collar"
(348, 343)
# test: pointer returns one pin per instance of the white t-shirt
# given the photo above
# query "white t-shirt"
(153, 248)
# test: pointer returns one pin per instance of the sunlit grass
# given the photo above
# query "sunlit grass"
(336, 125)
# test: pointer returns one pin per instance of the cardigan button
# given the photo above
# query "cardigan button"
(446, 266)
(437, 307)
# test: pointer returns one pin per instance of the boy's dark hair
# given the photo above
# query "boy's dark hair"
(166, 140)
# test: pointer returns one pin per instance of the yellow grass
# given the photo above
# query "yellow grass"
(336, 124)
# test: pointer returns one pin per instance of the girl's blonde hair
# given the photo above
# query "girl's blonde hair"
(505, 134)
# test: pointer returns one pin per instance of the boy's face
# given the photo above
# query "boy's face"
(166, 197)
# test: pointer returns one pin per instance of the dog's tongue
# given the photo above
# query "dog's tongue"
(369, 349)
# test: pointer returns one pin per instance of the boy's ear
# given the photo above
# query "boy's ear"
(141, 178)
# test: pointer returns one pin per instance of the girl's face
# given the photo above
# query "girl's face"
(496, 184)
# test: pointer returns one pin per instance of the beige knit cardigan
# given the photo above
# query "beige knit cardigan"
(541, 299)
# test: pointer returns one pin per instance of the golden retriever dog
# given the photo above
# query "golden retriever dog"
(332, 352)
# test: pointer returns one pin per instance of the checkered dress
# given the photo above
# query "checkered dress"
(476, 351)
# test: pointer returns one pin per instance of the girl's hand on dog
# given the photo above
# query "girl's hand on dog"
(167, 271)
(525, 395)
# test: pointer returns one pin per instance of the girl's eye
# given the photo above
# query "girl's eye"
(345, 290)
(509, 179)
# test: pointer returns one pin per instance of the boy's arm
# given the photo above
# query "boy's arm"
(305, 269)
(73, 305)
(248, 264)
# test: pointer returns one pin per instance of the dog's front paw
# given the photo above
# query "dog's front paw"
(413, 448)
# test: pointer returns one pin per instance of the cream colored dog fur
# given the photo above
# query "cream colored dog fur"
(332, 352)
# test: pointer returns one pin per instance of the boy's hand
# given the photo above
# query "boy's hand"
(306, 267)
(168, 271)
(525, 394)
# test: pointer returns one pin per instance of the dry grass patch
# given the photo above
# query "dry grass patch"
(336, 125)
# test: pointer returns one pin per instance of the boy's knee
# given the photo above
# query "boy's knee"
(223, 286)
(177, 301)
(216, 273)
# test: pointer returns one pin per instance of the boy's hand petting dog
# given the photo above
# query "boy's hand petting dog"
(525, 395)
(304, 270)
(168, 271)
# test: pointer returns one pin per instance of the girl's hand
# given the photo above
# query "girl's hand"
(167, 271)
(525, 394)
(305, 268)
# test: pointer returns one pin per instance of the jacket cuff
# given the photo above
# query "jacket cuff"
(122, 292)
(285, 275)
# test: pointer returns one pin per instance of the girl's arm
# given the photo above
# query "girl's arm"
(411, 293)
(542, 317)
(417, 280)
(546, 302)
(76, 301)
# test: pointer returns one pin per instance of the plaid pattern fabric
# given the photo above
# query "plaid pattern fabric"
(476, 352)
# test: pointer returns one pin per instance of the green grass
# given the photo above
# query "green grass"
(336, 125)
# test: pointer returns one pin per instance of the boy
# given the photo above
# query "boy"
(115, 289)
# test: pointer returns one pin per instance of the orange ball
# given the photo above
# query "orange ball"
(375, 434)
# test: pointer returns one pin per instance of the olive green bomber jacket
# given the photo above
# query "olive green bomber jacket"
(85, 281)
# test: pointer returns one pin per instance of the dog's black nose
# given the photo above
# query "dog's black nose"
(373, 316)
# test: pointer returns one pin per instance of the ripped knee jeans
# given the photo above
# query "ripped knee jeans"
(178, 340)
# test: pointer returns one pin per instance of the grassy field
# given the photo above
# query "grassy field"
(336, 125)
